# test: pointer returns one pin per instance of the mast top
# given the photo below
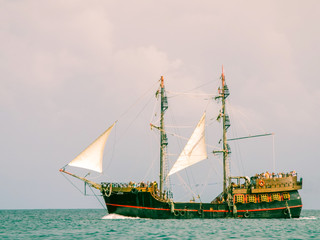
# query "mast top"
(222, 76)
(162, 84)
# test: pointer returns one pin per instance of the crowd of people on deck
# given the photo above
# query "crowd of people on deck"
(148, 185)
(267, 175)
(143, 184)
(132, 184)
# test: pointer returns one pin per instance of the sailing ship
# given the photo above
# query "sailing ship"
(266, 195)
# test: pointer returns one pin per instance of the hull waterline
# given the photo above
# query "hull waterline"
(144, 205)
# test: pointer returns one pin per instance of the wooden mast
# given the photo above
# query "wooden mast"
(163, 135)
(224, 137)
(223, 94)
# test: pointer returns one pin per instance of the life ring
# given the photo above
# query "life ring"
(261, 183)
(246, 214)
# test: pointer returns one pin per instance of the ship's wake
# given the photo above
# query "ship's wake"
(307, 218)
(117, 216)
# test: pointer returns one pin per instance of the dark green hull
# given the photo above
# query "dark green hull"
(144, 205)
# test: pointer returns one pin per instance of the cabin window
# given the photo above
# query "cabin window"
(251, 198)
(286, 196)
(276, 197)
(239, 198)
(264, 198)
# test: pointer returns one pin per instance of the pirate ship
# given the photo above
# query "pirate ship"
(266, 195)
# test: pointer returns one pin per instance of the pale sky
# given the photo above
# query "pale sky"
(69, 69)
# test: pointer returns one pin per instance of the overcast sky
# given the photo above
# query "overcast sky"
(69, 69)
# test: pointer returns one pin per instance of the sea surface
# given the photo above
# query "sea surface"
(97, 224)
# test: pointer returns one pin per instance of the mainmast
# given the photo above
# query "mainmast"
(223, 94)
(224, 137)
(163, 135)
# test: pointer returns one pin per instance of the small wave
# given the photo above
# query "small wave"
(308, 218)
(117, 216)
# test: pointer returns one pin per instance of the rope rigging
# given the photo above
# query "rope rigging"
(98, 198)
(83, 193)
(189, 175)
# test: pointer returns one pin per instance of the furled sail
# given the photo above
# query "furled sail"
(195, 149)
(91, 158)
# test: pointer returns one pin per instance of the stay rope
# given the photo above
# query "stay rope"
(97, 198)
(152, 164)
(125, 131)
(195, 94)
(83, 192)
(72, 183)
(136, 102)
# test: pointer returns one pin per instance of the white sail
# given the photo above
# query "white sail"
(195, 149)
(91, 158)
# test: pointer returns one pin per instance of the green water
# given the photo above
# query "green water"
(96, 224)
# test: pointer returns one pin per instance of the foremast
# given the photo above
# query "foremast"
(163, 135)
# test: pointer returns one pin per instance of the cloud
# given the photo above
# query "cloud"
(44, 45)
(142, 65)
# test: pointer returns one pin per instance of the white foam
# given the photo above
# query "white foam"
(117, 216)
(308, 218)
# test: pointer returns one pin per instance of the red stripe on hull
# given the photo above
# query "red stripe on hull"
(194, 210)
(268, 209)
(118, 205)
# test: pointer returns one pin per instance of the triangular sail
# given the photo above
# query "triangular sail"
(195, 149)
(91, 158)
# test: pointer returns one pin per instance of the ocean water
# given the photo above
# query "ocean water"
(97, 224)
